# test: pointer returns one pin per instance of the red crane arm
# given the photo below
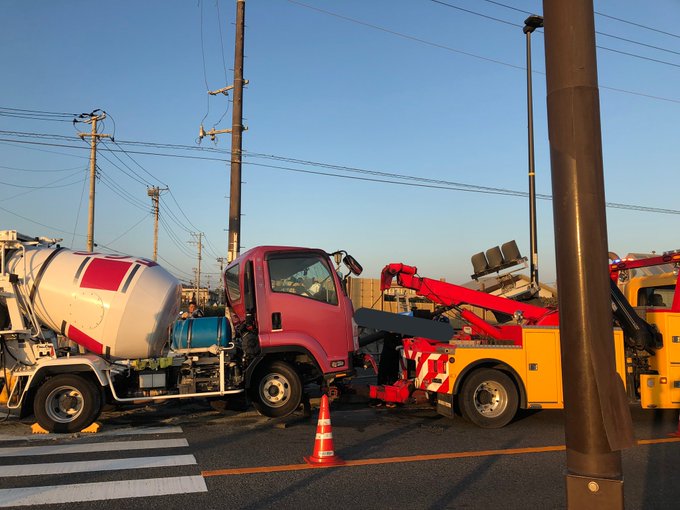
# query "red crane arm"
(449, 294)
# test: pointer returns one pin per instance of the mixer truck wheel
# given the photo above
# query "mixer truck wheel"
(276, 390)
(488, 399)
(67, 403)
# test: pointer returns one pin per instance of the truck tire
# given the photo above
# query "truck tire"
(276, 390)
(488, 399)
(67, 403)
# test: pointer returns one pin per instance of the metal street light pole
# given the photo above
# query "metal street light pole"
(530, 24)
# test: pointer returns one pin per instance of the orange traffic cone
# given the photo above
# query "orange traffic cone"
(323, 454)
(677, 432)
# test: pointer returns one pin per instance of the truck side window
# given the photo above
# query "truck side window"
(304, 275)
(661, 296)
(231, 277)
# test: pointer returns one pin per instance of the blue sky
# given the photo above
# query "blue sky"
(391, 89)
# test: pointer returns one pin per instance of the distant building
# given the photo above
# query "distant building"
(205, 296)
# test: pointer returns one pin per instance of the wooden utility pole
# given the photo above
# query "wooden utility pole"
(237, 128)
(234, 239)
(94, 136)
(598, 424)
(154, 193)
(221, 260)
(199, 243)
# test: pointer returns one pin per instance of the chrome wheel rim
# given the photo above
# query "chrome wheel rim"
(64, 404)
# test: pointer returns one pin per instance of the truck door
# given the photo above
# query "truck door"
(303, 298)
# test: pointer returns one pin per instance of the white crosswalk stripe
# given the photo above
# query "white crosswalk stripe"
(29, 496)
(52, 461)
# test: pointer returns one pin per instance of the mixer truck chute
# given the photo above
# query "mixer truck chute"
(292, 325)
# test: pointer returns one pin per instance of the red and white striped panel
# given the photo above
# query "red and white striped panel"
(432, 372)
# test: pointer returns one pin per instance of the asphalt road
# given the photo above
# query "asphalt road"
(185, 454)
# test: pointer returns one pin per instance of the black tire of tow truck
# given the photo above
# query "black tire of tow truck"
(276, 390)
(67, 403)
(488, 399)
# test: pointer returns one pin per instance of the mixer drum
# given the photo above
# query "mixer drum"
(117, 306)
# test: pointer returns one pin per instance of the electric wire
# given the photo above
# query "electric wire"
(182, 272)
(529, 13)
(597, 13)
(224, 64)
(479, 57)
(139, 165)
(80, 206)
(175, 238)
(634, 55)
(46, 186)
(123, 193)
(132, 175)
(174, 217)
(129, 229)
(16, 169)
(205, 73)
(479, 189)
(39, 187)
(55, 229)
(635, 24)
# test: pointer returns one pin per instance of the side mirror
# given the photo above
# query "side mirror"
(354, 267)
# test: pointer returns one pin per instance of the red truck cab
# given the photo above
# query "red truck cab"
(295, 319)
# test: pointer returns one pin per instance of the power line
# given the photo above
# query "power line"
(55, 229)
(601, 33)
(63, 114)
(140, 166)
(129, 230)
(40, 171)
(634, 55)
(40, 187)
(506, 192)
(133, 175)
(80, 205)
(635, 24)
(46, 186)
(448, 185)
(448, 48)
(174, 237)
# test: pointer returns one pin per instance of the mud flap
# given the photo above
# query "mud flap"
(445, 404)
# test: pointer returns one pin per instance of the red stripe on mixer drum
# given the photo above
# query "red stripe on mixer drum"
(85, 340)
(105, 274)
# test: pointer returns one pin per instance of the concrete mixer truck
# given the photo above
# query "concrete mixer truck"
(80, 329)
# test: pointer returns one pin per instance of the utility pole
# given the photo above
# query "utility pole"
(237, 128)
(597, 418)
(221, 260)
(155, 193)
(234, 239)
(199, 243)
(92, 118)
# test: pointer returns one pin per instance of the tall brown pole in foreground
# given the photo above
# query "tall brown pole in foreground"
(234, 239)
(597, 418)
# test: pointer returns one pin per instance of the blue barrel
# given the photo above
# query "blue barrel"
(200, 333)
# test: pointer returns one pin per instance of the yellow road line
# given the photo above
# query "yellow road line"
(410, 458)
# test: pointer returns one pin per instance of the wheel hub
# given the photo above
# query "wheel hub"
(491, 399)
(64, 404)
(275, 390)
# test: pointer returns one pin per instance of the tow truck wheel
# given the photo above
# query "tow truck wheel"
(66, 403)
(488, 399)
(277, 390)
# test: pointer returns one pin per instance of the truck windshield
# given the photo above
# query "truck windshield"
(304, 275)
(231, 278)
